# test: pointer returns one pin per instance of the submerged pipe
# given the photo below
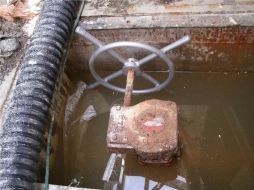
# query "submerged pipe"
(26, 118)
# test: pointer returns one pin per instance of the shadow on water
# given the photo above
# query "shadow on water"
(216, 129)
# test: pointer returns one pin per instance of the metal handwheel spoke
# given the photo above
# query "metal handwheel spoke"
(108, 78)
(150, 79)
(117, 56)
(165, 49)
(81, 31)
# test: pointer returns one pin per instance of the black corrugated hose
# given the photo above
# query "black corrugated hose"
(22, 137)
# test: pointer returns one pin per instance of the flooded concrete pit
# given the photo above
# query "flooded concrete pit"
(216, 129)
(214, 94)
(215, 109)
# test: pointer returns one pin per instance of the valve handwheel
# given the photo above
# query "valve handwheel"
(132, 64)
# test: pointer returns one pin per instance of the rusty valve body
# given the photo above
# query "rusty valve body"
(148, 129)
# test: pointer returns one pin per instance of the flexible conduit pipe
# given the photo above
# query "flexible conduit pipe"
(26, 118)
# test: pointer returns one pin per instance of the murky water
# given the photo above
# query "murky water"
(216, 121)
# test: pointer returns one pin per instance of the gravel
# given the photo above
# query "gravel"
(12, 43)
(9, 45)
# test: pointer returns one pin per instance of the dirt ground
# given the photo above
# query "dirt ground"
(12, 45)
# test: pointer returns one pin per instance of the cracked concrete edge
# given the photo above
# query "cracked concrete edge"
(6, 90)
(169, 21)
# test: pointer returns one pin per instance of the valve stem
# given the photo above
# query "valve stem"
(129, 87)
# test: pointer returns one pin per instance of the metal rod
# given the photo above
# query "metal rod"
(167, 48)
(110, 167)
(123, 156)
(82, 32)
(129, 87)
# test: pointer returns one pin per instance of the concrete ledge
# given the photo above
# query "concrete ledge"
(114, 14)
(169, 21)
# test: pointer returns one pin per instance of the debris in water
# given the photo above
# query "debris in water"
(89, 114)
(73, 100)
(75, 182)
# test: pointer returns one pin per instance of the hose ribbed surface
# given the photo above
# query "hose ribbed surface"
(22, 137)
